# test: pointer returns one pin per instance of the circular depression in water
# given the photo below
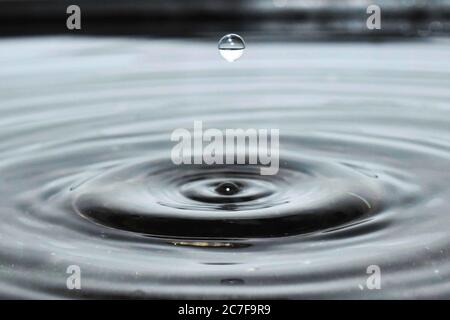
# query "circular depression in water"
(161, 199)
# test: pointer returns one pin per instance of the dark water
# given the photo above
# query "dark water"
(86, 177)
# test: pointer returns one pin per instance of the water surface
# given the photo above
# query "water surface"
(86, 177)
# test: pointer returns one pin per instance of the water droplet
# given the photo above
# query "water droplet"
(227, 188)
(231, 47)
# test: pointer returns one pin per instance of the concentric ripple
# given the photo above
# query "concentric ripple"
(159, 198)
(87, 180)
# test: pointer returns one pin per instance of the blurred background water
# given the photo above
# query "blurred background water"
(265, 19)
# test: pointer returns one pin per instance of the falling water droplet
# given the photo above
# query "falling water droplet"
(231, 47)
